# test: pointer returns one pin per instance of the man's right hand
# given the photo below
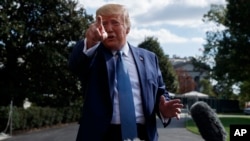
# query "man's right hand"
(95, 33)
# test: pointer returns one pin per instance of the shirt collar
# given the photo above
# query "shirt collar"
(124, 49)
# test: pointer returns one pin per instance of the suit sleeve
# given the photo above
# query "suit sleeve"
(78, 61)
(161, 91)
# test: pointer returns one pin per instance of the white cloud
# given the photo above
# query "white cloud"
(164, 36)
(136, 36)
(198, 40)
(90, 4)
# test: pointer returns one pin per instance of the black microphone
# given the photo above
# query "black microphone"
(209, 125)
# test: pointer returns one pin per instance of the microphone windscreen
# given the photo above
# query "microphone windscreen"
(207, 121)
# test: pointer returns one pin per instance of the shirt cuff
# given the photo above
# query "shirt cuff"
(91, 50)
(164, 120)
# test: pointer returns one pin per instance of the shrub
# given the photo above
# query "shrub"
(37, 117)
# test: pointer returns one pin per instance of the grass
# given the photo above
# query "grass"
(225, 120)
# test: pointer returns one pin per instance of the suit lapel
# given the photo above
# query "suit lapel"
(140, 65)
(110, 64)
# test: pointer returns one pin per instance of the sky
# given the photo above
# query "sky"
(177, 24)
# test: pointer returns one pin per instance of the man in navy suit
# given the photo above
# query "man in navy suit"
(93, 60)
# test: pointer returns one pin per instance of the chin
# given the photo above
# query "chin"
(112, 46)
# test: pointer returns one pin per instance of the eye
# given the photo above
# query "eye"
(115, 23)
(104, 23)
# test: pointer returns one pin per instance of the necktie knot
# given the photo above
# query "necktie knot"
(119, 54)
(120, 67)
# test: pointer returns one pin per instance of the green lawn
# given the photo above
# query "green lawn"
(226, 121)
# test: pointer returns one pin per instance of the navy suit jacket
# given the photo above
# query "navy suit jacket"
(97, 74)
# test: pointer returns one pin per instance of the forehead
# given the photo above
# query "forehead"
(112, 17)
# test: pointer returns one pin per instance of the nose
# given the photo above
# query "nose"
(108, 27)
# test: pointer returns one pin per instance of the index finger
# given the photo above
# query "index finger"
(176, 102)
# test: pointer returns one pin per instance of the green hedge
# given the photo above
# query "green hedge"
(37, 117)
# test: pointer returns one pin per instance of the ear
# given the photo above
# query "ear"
(127, 30)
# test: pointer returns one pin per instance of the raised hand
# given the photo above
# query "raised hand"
(95, 33)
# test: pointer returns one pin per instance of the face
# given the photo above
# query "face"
(117, 31)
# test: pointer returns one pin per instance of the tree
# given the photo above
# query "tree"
(35, 40)
(207, 87)
(223, 89)
(186, 82)
(168, 73)
(229, 47)
(200, 66)
(244, 93)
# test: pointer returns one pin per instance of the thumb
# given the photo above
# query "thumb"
(162, 100)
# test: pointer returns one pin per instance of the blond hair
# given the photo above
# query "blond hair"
(115, 9)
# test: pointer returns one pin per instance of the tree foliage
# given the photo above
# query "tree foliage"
(35, 39)
(207, 87)
(244, 93)
(201, 66)
(168, 73)
(229, 46)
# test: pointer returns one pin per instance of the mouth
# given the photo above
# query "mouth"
(111, 37)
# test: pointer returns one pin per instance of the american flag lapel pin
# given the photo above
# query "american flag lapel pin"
(141, 58)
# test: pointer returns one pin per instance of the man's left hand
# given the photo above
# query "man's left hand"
(171, 108)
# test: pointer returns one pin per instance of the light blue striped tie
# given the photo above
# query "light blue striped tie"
(127, 109)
